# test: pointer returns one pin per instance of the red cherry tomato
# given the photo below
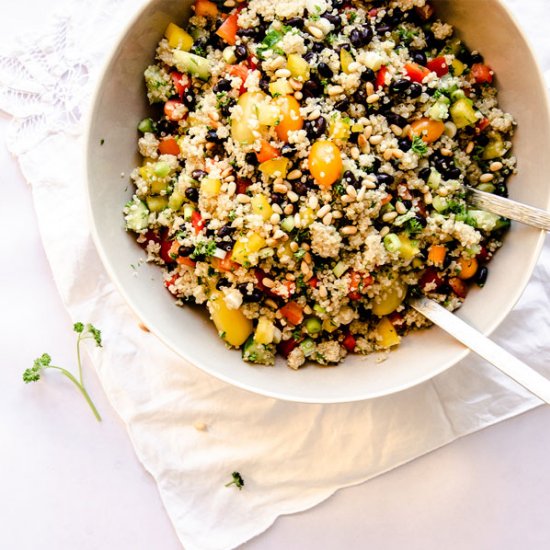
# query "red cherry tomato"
(197, 222)
(228, 29)
(286, 346)
(349, 342)
(381, 77)
(482, 73)
(175, 110)
(181, 82)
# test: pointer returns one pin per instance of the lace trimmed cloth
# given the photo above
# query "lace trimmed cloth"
(291, 456)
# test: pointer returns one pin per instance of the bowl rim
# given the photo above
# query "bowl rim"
(151, 325)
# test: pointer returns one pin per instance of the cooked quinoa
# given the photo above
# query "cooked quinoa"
(304, 171)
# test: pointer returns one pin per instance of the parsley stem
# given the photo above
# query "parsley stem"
(80, 387)
(78, 359)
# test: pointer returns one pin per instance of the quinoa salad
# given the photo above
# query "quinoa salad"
(304, 171)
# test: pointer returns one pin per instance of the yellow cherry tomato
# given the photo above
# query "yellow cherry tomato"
(290, 117)
(429, 130)
(325, 163)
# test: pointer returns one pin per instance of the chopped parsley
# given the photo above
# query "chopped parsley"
(299, 254)
(204, 248)
(419, 146)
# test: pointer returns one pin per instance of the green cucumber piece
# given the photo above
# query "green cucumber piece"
(192, 64)
(260, 354)
(487, 221)
(392, 242)
(137, 218)
(339, 269)
(313, 325)
(147, 126)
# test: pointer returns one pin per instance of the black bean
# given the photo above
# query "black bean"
(476, 57)
(165, 126)
(355, 38)
(415, 90)
(226, 245)
(192, 193)
(287, 150)
(367, 34)
(394, 118)
(241, 53)
(212, 135)
(481, 276)
(425, 173)
(277, 198)
(384, 178)
(324, 70)
(296, 22)
(223, 283)
(368, 75)
(383, 28)
(404, 144)
(432, 42)
(252, 297)
(185, 251)
(361, 96)
(248, 33)
(501, 190)
(376, 163)
(300, 188)
(400, 86)
(349, 179)
(251, 158)
(420, 58)
(338, 4)
(223, 85)
(483, 140)
(312, 88)
(264, 85)
(308, 56)
(342, 105)
(317, 47)
(226, 108)
(198, 174)
(315, 128)
(454, 173)
(225, 230)
(334, 19)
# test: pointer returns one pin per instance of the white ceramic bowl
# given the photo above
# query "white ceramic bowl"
(120, 103)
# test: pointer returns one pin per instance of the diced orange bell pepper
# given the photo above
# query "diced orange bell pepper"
(436, 255)
(226, 264)
(416, 72)
(169, 147)
(293, 313)
(185, 260)
(267, 151)
(205, 8)
(228, 29)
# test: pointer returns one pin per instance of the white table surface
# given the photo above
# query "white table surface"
(68, 482)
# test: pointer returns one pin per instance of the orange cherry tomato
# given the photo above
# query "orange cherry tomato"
(175, 110)
(468, 268)
(290, 117)
(482, 74)
(325, 163)
(416, 72)
(293, 313)
(267, 151)
(228, 29)
(458, 286)
(169, 147)
(429, 130)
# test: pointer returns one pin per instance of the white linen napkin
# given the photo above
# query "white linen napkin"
(291, 456)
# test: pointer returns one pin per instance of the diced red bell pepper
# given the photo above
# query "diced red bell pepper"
(482, 124)
(267, 151)
(228, 29)
(459, 287)
(175, 110)
(313, 282)
(430, 278)
(241, 71)
(439, 66)
(169, 282)
(373, 13)
(482, 74)
(293, 313)
(197, 222)
(416, 72)
(181, 82)
(396, 319)
(349, 342)
(164, 251)
(358, 283)
(242, 185)
(169, 147)
(381, 77)
(286, 346)
(252, 62)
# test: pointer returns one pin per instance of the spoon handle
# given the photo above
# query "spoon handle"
(470, 337)
(513, 210)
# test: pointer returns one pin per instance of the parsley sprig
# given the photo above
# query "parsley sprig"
(419, 146)
(237, 480)
(85, 332)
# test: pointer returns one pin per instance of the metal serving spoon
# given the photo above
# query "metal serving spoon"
(513, 210)
(470, 337)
